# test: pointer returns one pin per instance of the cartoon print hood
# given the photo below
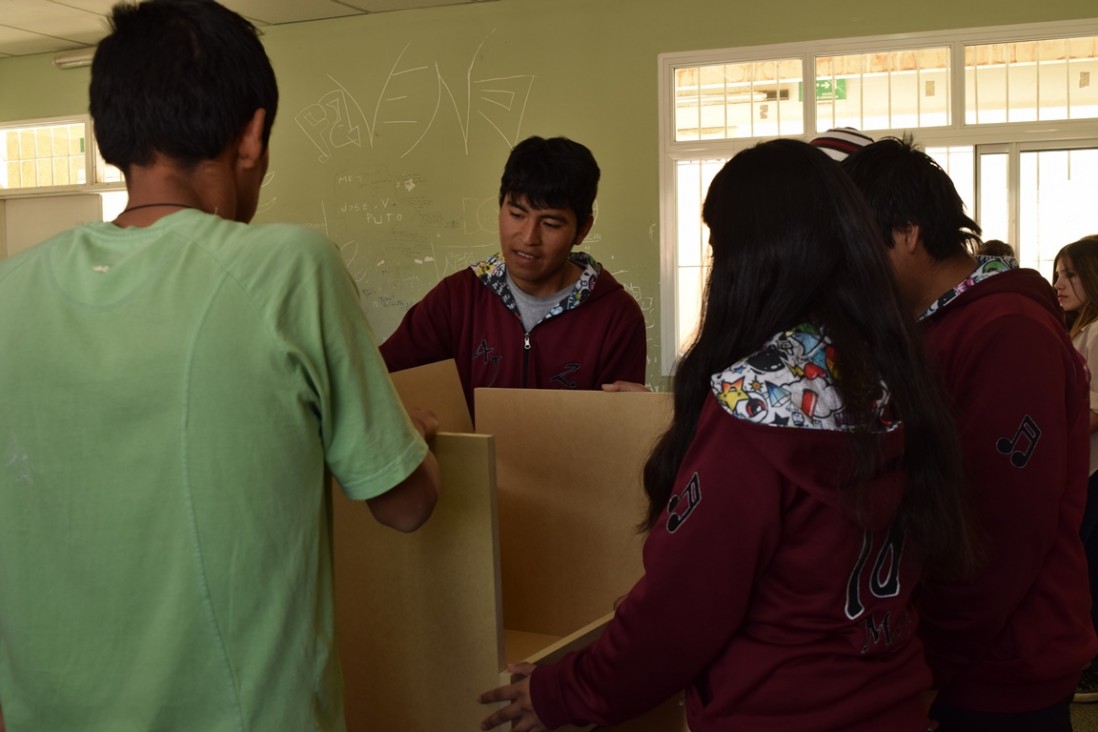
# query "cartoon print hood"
(493, 273)
(995, 274)
(792, 414)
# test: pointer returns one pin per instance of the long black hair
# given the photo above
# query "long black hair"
(793, 241)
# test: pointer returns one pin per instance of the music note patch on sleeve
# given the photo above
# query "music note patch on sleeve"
(1021, 446)
(691, 496)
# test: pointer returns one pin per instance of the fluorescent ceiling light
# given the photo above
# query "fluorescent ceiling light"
(74, 59)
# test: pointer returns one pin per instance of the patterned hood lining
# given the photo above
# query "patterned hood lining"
(790, 382)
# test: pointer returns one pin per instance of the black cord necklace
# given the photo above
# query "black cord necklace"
(154, 205)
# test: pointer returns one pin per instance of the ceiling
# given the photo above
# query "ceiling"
(48, 26)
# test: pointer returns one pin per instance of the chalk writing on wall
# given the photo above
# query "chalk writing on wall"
(415, 99)
(393, 150)
(396, 241)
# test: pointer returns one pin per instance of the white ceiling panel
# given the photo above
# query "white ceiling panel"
(45, 26)
(381, 6)
(25, 13)
(15, 42)
(274, 12)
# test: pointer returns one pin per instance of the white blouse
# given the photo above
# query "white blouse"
(1086, 342)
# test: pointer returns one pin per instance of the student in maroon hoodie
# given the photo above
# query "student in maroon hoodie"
(539, 314)
(809, 476)
(1007, 647)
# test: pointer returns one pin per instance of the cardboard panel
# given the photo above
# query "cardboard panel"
(570, 498)
(418, 618)
(667, 717)
(436, 387)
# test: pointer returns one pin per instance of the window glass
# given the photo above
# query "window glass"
(692, 253)
(959, 163)
(1030, 81)
(734, 100)
(45, 155)
(1057, 189)
(993, 209)
(883, 91)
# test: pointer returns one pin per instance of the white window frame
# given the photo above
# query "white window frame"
(956, 133)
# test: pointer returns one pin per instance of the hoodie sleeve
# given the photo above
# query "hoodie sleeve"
(625, 346)
(683, 611)
(424, 335)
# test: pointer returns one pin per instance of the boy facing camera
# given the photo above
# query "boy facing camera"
(539, 315)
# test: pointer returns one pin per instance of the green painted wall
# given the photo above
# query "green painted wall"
(393, 128)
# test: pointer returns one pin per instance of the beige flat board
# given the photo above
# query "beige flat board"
(552, 650)
(418, 615)
(570, 498)
(518, 645)
(667, 717)
(437, 387)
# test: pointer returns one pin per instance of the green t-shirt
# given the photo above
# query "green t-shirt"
(169, 398)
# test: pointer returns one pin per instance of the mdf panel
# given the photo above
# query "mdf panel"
(570, 499)
(425, 622)
(418, 615)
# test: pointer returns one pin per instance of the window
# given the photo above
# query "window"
(726, 101)
(43, 156)
(1058, 185)
(50, 154)
(883, 91)
(692, 179)
(1031, 81)
(1007, 111)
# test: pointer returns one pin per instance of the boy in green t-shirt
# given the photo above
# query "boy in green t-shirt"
(173, 388)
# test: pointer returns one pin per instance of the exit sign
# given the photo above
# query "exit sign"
(827, 90)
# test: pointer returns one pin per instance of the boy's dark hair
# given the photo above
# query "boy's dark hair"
(177, 77)
(904, 186)
(553, 173)
(995, 248)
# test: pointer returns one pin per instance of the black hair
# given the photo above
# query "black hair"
(177, 77)
(552, 173)
(904, 187)
(793, 242)
(995, 248)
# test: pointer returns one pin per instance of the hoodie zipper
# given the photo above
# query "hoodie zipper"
(525, 357)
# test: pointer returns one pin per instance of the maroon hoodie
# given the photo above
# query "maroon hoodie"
(1017, 636)
(761, 597)
(594, 336)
